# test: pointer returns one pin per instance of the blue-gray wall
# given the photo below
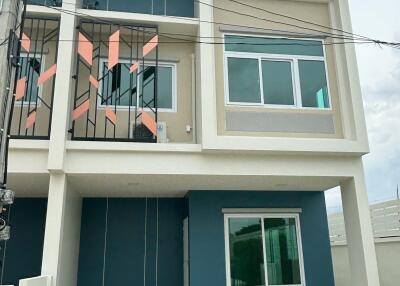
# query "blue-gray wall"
(24, 250)
(206, 232)
(125, 242)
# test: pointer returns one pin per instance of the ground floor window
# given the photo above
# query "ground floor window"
(263, 249)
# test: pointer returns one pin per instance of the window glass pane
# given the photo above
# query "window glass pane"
(183, 8)
(273, 46)
(165, 92)
(277, 82)
(314, 88)
(30, 67)
(244, 80)
(246, 252)
(135, 6)
(118, 86)
(282, 251)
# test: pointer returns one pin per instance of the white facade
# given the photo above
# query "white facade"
(66, 171)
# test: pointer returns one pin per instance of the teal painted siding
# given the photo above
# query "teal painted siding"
(206, 232)
(24, 250)
(124, 263)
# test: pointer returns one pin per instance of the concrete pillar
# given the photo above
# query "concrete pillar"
(207, 74)
(360, 240)
(9, 16)
(62, 235)
(63, 88)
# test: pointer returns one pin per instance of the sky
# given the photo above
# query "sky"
(379, 69)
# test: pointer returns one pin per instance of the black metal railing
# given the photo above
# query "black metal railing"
(109, 103)
(32, 112)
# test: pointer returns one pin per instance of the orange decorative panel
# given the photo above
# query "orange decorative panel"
(47, 74)
(110, 114)
(113, 50)
(85, 49)
(150, 45)
(134, 67)
(26, 42)
(20, 90)
(30, 120)
(149, 122)
(94, 81)
(81, 109)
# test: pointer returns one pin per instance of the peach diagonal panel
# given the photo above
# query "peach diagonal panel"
(94, 81)
(26, 42)
(113, 50)
(47, 74)
(149, 122)
(150, 45)
(110, 114)
(30, 120)
(85, 49)
(134, 67)
(81, 109)
(20, 89)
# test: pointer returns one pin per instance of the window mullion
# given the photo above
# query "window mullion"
(297, 86)
(264, 252)
(260, 79)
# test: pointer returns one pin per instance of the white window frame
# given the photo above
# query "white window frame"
(262, 216)
(25, 103)
(171, 65)
(275, 57)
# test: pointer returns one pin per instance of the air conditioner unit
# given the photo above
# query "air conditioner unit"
(161, 131)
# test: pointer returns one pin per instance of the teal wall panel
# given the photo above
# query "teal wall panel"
(24, 250)
(206, 232)
(125, 247)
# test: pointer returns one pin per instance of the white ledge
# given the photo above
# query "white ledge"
(25, 144)
(132, 146)
(37, 10)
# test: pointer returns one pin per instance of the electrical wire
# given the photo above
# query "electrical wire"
(182, 40)
(296, 19)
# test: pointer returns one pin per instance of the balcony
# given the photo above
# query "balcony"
(33, 106)
(124, 93)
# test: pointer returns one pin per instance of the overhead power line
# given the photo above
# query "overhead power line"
(182, 40)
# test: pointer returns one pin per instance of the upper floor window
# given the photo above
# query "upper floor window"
(57, 3)
(275, 72)
(263, 249)
(122, 88)
(30, 67)
(182, 8)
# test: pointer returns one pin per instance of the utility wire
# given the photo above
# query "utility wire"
(191, 41)
(297, 19)
(292, 33)
(167, 35)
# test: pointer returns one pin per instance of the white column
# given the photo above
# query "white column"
(208, 126)
(360, 240)
(62, 235)
(63, 88)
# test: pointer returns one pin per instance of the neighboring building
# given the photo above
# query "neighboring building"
(386, 227)
(254, 121)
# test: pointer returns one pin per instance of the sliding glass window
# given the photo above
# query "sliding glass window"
(275, 72)
(263, 250)
(120, 87)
